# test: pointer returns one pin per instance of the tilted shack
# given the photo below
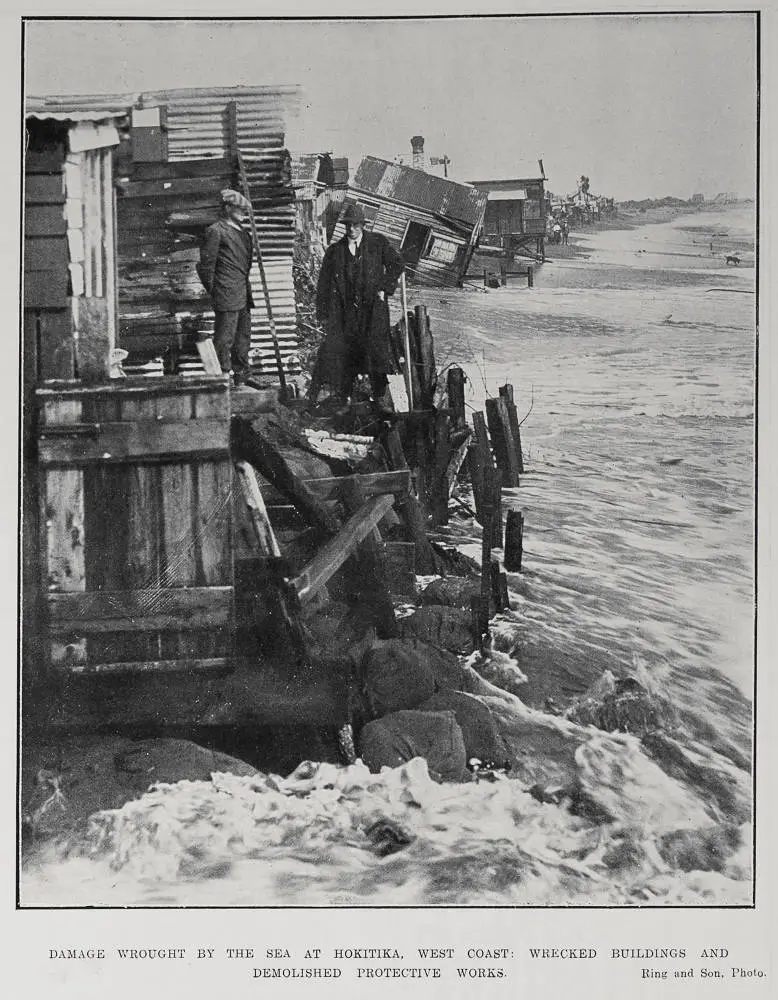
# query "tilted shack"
(434, 222)
(516, 212)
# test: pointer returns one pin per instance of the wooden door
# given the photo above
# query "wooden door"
(136, 503)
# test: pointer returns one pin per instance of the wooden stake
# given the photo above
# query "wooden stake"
(456, 396)
(502, 440)
(514, 541)
(406, 341)
(506, 391)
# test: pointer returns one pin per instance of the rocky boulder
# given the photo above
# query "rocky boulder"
(397, 738)
(479, 730)
(451, 591)
(447, 628)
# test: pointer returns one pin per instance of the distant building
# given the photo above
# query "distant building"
(313, 175)
(698, 199)
(516, 211)
(435, 223)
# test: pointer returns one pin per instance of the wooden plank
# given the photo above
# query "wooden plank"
(44, 161)
(208, 167)
(213, 521)
(46, 289)
(45, 253)
(502, 441)
(140, 387)
(180, 550)
(117, 442)
(93, 345)
(252, 495)
(427, 370)
(145, 545)
(146, 609)
(44, 189)
(208, 356)
(130, 667)
(55, 344)
(177, 187)
(336, 551)
(44, 220)
(373, 483)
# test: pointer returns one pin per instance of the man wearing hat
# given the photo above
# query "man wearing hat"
(358, 274)
(225, 262)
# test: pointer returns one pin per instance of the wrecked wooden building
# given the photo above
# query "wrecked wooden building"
(155, 185)
(313, 178)
(434, 222)
(515, 219)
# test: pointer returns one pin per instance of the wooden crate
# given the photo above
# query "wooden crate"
(136, 504)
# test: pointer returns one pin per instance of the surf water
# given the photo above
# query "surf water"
(635, 370)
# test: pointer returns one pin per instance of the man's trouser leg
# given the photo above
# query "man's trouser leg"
(241, 345)
(224, 330)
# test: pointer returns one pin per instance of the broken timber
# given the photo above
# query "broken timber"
(336, 551)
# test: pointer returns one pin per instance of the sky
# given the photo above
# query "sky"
(645, 106)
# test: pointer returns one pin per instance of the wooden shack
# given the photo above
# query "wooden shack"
(173, 152)
(434, 222)
(515, 217)
(128, 482)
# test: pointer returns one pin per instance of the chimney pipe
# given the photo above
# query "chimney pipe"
(417, 145)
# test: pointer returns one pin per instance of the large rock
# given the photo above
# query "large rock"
(451, 591)
(394, 676)
(63, 784)
(479, 729)
(621, 705)
(401, 736)
(447, 628)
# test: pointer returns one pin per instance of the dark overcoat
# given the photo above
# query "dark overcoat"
(382, 266)
(225, 263)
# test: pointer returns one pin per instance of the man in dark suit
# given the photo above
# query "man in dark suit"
(358, 274)
(225, 262)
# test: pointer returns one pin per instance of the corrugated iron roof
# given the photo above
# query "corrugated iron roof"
(42, 114)
(437, 195)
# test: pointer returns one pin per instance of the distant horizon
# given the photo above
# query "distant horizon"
(638, 103)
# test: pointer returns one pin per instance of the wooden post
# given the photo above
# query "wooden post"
(499, 587)
(439, 485)
(486, 582)
(530, 277)
(456, 396)
(412, 396)
(502, 440)
(494, 485)
(506, 391)
(514, 541)
(427, 370)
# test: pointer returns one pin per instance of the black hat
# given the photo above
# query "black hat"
(354, 214)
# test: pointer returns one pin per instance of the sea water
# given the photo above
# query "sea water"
(633, 373)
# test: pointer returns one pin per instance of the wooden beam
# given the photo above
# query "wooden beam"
(152, 610)
(401, 567)
(506, 391)
(336, 551)
(456, 396)
(87, 444)
(182, 666)
(265, 457)
(373, 483)
(263, 529)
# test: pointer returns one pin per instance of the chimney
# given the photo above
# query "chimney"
(417, 145)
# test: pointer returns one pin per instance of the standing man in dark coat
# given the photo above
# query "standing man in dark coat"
(225, 262)
(358, 275)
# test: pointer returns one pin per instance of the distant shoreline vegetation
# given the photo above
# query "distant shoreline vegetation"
(670, 202)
